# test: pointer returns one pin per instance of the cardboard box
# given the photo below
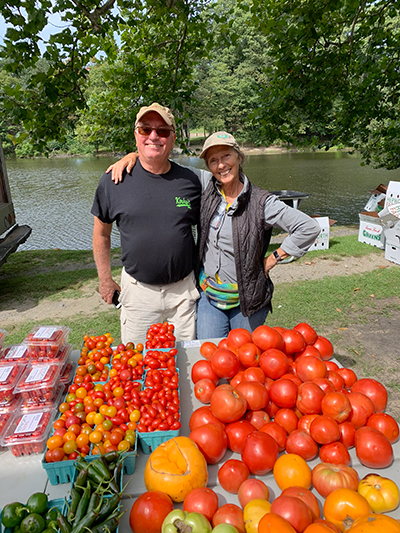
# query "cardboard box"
(392, 253)
(322, 241)
(392, 194)
(371, 229)
(375, 201)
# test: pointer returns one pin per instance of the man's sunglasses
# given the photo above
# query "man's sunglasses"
(162, 132)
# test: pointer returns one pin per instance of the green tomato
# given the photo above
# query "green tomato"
(12, 514)
(33, 523)
(180, 521)
(38, 503)
(224, 528)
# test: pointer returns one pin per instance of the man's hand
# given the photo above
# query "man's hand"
(118, 168)
(107, 289)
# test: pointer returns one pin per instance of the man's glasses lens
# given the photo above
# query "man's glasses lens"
(161, 132)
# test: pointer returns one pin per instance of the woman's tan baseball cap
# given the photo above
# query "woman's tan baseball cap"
(164, 112)
(217, 139)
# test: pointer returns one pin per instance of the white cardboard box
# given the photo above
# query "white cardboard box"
(392, 194)
(392, 253)
(371, 229)
(322, 241)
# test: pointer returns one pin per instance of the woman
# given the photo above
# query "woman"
(236, 221)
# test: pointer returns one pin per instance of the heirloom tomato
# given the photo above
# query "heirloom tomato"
(272, 522)
(306, 496)
(265, 337)
(229, 514)
(309, 334)
(232, 474)
(375, 391)
(327, 477)
(227, 404)
(149, 511)
(301, 443)
(372, 448)
(201, 500)
(381, 493)
(253, 512)
(372, 523)
(252, 489)
(386, 424)
(255, 394)
(292, 470)
(343, 506)
(294, 510)
(211, 440)
(259, 452)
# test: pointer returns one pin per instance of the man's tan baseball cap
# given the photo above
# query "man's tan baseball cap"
(217, 139)
(164, 112)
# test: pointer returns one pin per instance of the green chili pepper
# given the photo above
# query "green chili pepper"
(12, 514)
(107, 526)
(80, 463)
(51, 516)
(93, 502)
(85, 523)
(75, 498)
(95, 475)
(63, 524)
(111, 457)
(108, 506)
(102, 468)
(81, 478)
(83, 504)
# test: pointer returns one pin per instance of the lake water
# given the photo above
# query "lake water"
(54, 196)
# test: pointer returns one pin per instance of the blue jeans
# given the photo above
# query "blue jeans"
(215, 323)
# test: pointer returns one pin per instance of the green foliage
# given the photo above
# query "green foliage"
(335, 74)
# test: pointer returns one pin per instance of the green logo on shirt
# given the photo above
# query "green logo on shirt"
(182, 202)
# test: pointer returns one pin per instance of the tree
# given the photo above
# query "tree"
(152, 44)
(228, 95)
(335, 74)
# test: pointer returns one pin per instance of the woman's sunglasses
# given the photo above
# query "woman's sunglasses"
(162, 132)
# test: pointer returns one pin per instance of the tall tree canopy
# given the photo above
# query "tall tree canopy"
(152, 43)
(335, 75)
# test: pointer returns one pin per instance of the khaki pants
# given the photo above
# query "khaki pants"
(144, 305)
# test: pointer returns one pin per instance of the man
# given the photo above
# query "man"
(154, 213)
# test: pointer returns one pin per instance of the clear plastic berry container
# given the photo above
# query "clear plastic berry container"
(10, 406)
(45, 341)
(10, 375)
(29, 405)
(67, 373)
(38, 381)
(3, 333)
(27, 433)
(59, 358)
(15, 353)
(4, 419)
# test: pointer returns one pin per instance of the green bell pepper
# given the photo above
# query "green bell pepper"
(182, 522)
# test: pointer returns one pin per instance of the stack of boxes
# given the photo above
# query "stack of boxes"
(371, 227)
(380, 221)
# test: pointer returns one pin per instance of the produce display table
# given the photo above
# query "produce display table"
(20, 477)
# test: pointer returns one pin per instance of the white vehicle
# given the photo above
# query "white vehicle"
(11, 234)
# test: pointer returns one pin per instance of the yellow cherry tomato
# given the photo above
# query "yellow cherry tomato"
(95, 437)
(134, 416)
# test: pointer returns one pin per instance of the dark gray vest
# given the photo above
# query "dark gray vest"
(250, 243)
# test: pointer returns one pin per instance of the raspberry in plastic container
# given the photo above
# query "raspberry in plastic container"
(4, 419)
(30, 405)
(15, 353)
(60, 357)
(38, 381)
(3, 333)
(9, 377)
(45, 341)
(27, 434)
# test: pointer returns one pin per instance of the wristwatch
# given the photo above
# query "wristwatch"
(277, 256)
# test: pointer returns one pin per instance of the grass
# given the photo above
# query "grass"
(32, 276)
